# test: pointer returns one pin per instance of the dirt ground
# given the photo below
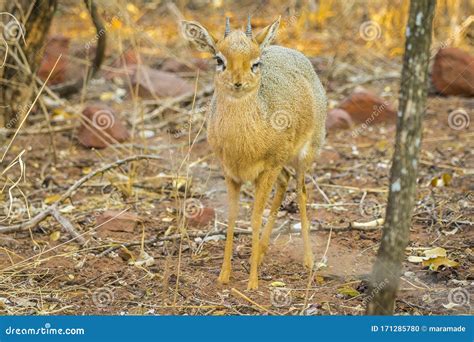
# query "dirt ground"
(40, 276)
(148, 268)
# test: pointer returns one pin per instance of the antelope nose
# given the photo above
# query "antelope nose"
(237, 85)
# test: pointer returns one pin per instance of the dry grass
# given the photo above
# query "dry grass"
(44, 270)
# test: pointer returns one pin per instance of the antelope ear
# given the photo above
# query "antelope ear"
(268, 34)
(198, 36)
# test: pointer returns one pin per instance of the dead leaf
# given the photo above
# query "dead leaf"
(416, 259)
(107, 96)
(144, 259)
(435, 252)
(116, 23)
(444, 180)
(132, 9)
(59, 113)
(278, 284)
(219, 313)
(54, 236)
(319, 279)
(348, 291)
(52, 198)
(435, 263)
(181, 183)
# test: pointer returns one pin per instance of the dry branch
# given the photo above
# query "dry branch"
(67, 225)
(49, 211)
(70, 88)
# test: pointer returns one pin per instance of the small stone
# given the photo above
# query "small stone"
(202, 217)
(367, 108)
(174, 65)
(55, 47)
(156, 83)
(117, 221)
(100, 127)
(338, 118)
(453, 72)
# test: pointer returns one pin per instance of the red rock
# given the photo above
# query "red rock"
(124, 65)
(368, 108)
(100, 127)
(174, 65)
(79, 53)
(156, 83)
(453, 72)
(127, 58)
(126, 254)
(117, 221)
(338, 118)
(202, 218)
(56, 46)
(201, 63)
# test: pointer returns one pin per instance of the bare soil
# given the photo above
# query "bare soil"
(41, 276)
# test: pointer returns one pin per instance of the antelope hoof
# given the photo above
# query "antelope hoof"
(224, 277)
(253, 284)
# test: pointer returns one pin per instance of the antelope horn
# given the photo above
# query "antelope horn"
(248, 32)
(227, 27)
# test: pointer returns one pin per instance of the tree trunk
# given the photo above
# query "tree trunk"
(69, 88)
(25, 50)
(412, 100)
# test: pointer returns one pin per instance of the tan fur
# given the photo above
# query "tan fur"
(275, 119)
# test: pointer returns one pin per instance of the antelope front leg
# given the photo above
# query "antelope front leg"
(263, 186)
(233, 189)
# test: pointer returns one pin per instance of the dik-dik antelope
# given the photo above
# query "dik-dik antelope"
(268, 112)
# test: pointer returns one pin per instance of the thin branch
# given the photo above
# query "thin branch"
(67, 225)
(72, 87)
(49, 210)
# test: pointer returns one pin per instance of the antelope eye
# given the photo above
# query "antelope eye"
(220, 63)
(255, 66)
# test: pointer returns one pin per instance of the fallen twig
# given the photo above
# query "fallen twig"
(161, 239)
(67, 225)
(53, 207)
(255, 304)
(354, 188)
(367, 225)
(319, 227)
